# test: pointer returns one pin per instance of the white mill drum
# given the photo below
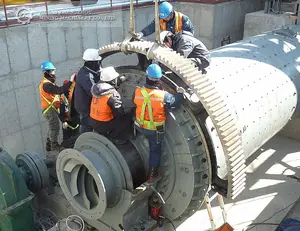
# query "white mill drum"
(249, 93)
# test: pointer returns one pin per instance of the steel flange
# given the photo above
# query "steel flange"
(92, 178)
(34, 171)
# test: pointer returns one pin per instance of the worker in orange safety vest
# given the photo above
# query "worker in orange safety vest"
(170, 20)
(50, 103)
(150, 101)
(107, 114)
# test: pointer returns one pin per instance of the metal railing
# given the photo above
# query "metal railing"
(42, 11)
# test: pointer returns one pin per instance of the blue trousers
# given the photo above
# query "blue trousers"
(155, 148)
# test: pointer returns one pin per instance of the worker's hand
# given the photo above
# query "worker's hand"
(72, 78)
(180, 90)
(122, 79)
(65, 125)
(139, 35)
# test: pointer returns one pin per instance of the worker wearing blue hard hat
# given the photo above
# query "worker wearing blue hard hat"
(170, 20)
(50, 103)
(150, 101)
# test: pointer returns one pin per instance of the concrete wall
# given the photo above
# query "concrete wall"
(259, 22)
(23, 48)
(213, 23)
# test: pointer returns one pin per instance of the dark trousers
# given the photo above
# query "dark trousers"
(155, 147)
(85, 122)
(201, 63)
(117, 128)
(70, 135)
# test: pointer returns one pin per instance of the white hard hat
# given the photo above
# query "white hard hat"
(108, 74)
(163, 35)
(91, 55)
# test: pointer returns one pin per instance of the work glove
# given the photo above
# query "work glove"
(65, 125)
(180, 90)
(122, 79)
(139, 35)
(72, 78)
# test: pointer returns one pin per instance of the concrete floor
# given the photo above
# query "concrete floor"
(268, 190)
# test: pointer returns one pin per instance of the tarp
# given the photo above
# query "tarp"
(289, 221)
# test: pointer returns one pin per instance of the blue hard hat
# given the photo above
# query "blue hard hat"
(154, 71)
(165, 9)
(47, 66)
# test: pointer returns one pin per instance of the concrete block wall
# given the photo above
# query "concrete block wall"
(23, 48)
(213, 23)
(260, 22)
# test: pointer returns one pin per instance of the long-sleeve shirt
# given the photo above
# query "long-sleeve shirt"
(187, 25)
(53, 89)
(84, 81)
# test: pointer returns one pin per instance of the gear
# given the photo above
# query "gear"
(216, 105)
(23, 15)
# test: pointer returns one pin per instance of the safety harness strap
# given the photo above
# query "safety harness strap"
(73, 128)
(50, 104)
(151, 125)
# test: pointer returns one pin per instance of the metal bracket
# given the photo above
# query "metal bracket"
(146, 189)
(11, 208)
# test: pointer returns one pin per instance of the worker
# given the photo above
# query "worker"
(170, 20)
(69, 116)
(188, 46)
(150, 102)
(50, 103)
(107, 115)
(88, 75)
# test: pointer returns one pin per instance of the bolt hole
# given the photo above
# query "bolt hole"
(203, 160)
(204, 176)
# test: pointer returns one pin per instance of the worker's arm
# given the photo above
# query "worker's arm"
(116, 106)
(87, 83)
(53, 89)
(173, 100)
(187, 25)
(185, 48)
(149, 30)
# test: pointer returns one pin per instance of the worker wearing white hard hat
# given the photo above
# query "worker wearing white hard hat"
(88, 75)
(107, 114)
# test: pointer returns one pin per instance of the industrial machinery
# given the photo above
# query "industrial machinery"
(249, 93)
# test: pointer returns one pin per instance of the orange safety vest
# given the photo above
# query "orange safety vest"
(48, 100)
(100, 111)
(150, 111)
(178, 23)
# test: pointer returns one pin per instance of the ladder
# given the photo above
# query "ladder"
(209, 211)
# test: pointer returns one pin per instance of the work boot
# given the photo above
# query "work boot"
(152, 173)
(48, 145)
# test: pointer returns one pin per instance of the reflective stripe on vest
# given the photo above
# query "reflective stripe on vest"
(178, 23)
(155, 114)
(48, 100)
(100, 111)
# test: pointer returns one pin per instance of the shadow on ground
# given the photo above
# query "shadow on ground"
(268, 191)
